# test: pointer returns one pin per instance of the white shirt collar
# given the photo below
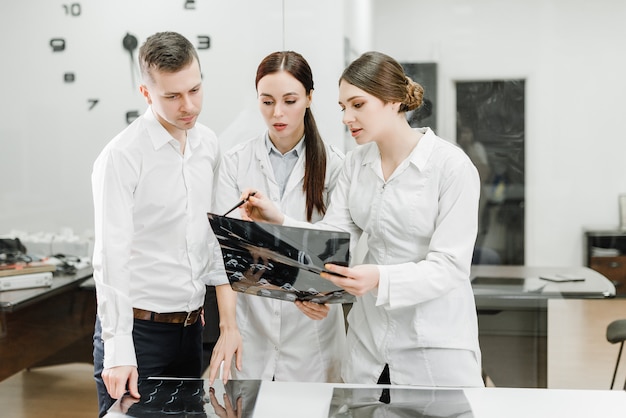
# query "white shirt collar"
(160, 136)
(298, 149)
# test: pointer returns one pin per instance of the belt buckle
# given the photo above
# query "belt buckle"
(187, 321)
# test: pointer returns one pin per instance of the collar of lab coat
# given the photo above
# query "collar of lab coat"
(262, 155)
(418, 157)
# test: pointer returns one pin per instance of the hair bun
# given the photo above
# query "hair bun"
(414, 95)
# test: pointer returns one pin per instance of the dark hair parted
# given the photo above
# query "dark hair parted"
(165, 52)
(315, 154)
(383, 77)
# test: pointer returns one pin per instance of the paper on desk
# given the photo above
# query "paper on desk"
(562, 277)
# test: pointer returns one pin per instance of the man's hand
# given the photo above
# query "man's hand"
(313, 310)
(229, 342)
(117, 379)
(126, 402)
(358, 280)
(227, 410)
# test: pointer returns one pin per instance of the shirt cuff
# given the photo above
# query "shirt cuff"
(382, 295)
(216, 278)
(119, 351)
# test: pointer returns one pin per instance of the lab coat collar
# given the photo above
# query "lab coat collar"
(418, 157)
(424, 148)
(297, 174)
(261, 153)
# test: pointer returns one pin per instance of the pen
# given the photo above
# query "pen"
(241, 202)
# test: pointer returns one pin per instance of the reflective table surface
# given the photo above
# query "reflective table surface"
(194, 397)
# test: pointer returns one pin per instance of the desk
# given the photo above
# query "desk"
(513, 319)
(315, 400)
(594, 286)
(41, 326)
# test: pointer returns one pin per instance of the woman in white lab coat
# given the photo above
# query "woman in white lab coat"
(290, 164)
(415, 196)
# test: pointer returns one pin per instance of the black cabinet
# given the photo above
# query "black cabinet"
(606, 253)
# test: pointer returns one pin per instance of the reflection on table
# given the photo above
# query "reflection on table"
(397, 402)
(193, 397)
(167, 397)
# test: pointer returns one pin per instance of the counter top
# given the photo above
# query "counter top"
(524, 284)
(46, 325)
(13, 300)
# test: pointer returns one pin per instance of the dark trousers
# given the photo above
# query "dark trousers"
(211, 332)
(167, 350)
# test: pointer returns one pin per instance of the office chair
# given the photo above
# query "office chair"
(616, 333)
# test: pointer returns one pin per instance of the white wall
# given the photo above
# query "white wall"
(358, 32)
(49, 138)
(571, 54)
(358, 27)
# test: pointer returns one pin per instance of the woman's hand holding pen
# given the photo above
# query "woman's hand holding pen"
(358, 280)
(258, 207)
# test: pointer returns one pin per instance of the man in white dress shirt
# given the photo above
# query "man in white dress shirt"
(154, 252)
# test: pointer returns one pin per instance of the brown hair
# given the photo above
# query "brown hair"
(315, 154)
(166, 52)
(383, 77)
